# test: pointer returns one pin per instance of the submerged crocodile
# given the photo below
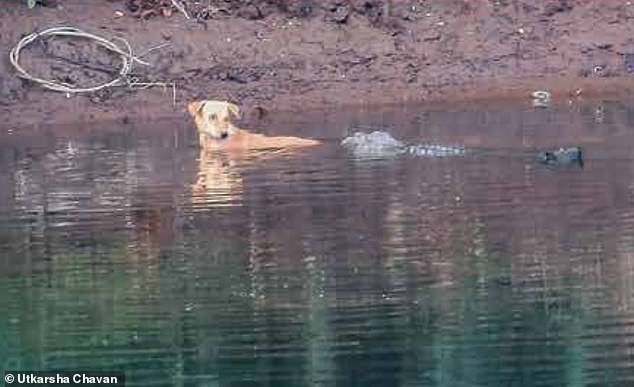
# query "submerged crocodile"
(562, 156)
(380, 144)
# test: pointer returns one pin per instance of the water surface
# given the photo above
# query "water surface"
(124, 248)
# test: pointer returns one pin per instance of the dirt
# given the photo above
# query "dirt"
(299, 55)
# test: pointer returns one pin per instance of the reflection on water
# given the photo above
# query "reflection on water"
(219, 182)
(124, 248)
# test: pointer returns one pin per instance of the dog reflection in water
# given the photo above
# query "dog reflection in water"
(224, 146)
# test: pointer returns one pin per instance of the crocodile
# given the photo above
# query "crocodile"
(562, 156)
(380, 144)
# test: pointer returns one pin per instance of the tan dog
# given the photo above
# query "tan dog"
(225, 148)
(216, 132)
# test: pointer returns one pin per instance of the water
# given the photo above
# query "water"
(122, 248)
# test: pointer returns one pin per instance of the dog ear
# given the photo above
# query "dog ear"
(234, 109)
(196, 107)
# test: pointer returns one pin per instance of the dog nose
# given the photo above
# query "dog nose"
(224, 135)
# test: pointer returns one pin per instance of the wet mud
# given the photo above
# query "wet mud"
(302, 55)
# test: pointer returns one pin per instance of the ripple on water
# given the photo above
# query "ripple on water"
(134, 251)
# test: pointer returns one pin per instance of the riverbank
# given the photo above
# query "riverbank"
(320, 55)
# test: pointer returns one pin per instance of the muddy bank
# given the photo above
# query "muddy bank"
(298, 55)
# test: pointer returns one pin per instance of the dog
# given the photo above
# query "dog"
(225, 149)
(216, 132)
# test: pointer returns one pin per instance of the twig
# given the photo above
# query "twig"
(179, 6)
(149, 50)
(135, 84)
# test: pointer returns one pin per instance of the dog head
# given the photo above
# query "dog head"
(213, 117)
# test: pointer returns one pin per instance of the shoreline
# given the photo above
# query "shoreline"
(438, 54)
(148, 105)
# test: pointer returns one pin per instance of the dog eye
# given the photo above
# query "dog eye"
(213, 117)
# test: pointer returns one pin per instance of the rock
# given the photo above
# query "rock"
(373, 9)
(541, 98)
(338, 14)
(11, 89)
(251, 12)
(604, 46)
(432, 36)
(628, 61)
(259, 112)
(297, 8)
(556, 7)
(49, 3)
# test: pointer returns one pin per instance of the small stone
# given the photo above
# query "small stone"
(432, 37)
(628, 60)
(251, 12)
(556, 7)
(604, 46)
(259, 112)
(340, 14)
(576, 93)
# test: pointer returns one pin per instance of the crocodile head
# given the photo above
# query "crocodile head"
(562, 156)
